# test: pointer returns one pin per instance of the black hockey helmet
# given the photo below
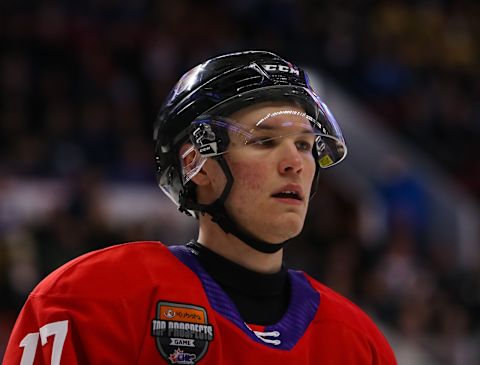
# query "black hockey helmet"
(200, 104)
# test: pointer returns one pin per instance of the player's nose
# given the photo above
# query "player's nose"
(290, 158)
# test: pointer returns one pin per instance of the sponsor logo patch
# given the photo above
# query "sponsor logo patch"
(182, 332)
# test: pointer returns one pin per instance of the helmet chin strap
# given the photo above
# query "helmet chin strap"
(220, 216)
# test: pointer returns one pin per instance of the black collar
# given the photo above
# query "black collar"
(232, 276)
(260, 298)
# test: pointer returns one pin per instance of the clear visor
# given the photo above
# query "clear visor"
(262, 127)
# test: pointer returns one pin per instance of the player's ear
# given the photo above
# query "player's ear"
(189, 157)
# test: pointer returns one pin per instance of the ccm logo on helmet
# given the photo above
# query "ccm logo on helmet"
(282, 68)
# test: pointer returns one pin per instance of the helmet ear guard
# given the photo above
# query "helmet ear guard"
(209, 138)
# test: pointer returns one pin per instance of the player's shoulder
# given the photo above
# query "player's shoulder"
(116, 269)
(336, 306)
(338, 312)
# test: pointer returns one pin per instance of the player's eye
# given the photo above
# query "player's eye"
(305, 143)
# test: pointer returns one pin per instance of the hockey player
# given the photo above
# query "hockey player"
(239, 144)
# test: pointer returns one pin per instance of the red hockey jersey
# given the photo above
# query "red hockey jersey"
(144, 303)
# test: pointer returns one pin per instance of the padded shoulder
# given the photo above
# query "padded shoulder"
(115, 271)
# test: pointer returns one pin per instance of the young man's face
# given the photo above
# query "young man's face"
(272, 178)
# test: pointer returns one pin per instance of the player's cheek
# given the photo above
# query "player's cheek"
(250, 176)
(309, 172)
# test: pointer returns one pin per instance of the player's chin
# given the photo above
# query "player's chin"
(288, 226)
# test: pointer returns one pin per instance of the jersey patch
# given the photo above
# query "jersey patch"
(182, 332)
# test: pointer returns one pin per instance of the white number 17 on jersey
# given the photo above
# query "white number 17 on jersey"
(29, 343)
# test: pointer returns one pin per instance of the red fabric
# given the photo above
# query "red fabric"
(109, 298)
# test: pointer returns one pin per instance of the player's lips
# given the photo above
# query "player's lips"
(291, 192)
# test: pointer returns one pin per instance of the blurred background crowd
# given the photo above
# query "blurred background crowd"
(80, 85)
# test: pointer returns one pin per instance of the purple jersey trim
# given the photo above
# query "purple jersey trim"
(304, 302)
